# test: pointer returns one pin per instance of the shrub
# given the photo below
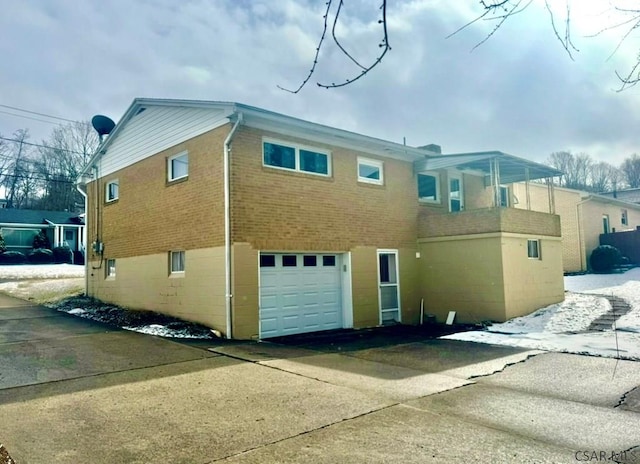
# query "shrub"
(605, 258)
(40, 256)
(3, 245)
(41, 240)
(62, 254)
(12, 257)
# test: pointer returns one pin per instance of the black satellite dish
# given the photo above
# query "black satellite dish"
(102, 124)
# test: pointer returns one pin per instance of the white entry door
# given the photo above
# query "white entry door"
(299, 293)
(389, 290)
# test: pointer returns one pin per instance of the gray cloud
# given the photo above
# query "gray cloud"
(519, 92)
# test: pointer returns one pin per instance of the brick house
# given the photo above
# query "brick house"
(584, 216)
(259, 224)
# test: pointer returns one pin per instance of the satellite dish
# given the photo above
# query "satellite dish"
(102, 124)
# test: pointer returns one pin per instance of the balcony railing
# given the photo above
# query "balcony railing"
(488, 220)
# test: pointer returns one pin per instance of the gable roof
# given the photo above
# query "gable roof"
(229, 112)
(32, 216)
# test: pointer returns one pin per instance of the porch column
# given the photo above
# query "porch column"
(526, 188)
(496, 182)
(551, 194)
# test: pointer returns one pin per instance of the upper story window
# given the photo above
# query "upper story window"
(370, 171)
(429, 187)
(111, 193)
(178, 166)
(295, 158)
(625, 217)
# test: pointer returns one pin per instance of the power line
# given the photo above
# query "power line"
(43, 146)
(38, 114)
(29, 117)
(22, 176)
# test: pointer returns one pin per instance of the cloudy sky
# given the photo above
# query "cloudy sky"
(519, 92)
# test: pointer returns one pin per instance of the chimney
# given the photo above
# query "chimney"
(432, 147)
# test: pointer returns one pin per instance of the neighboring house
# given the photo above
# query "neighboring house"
(20, 226)
(630, 195)
(259, 224)
(584, 216)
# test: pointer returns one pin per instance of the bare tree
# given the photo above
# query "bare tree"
(60, 161)
(332, 15)
(631, 170)
(496, 11)
(17, 179)
(604, 177)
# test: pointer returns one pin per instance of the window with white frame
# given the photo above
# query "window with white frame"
(283, 155)
(533, 249)
(370, 171)
(429, 187)
(178, 166)
(111, 268)
(625, 217)
(176, 262)
(112, 190)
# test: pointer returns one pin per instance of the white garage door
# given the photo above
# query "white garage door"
(299, 293)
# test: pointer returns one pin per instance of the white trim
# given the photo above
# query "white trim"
(457, 177)
(436, 175)
(347, 291)
(297, 147)
(170, 177)
(372, 163)
(396, 284)
(115, 182)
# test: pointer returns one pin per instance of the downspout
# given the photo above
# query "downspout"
(227, 223)
(84, 236)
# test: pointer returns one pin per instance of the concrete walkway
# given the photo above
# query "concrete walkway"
(76, 391)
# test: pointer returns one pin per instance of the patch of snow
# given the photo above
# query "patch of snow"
(162, 331)
(562, 327)
(76, 311)
(40, 271)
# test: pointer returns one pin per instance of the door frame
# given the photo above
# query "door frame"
(394, 252)
(458, 177)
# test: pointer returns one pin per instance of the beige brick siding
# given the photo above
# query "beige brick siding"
(152, 216)
(591, 214)
(488, 220)
(276, 210)
(581, 219)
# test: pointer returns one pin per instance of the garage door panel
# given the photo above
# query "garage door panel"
(301, 298)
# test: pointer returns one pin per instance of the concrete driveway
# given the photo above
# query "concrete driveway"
(75, 391)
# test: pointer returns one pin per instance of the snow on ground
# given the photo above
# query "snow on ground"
(563, 326)
(40, 271)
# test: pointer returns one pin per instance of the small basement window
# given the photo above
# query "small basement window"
(370, 171)
(178, 166)
(177, 261)
(533, 249)
(111, 268)
(112, 190)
